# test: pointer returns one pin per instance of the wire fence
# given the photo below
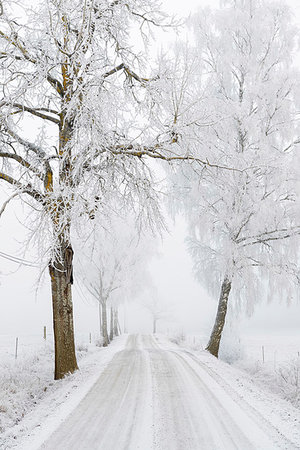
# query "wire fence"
(22, 344)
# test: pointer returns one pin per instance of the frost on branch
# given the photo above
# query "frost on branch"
(244, 223)
(77, 106)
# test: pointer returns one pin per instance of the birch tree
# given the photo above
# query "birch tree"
(243, 223)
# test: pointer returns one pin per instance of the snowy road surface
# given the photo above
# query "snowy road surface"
(155, 396)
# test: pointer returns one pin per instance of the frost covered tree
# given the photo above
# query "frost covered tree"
(77, 122)
(116, 330)
(115, 268)
(114, 323)
(243, 222)
(158, 309)
(102, 279)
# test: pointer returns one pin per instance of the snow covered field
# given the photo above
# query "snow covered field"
(276, 349)
(273, 362)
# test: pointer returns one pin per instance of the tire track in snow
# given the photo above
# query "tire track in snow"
(112, 415)
(229, 420)
(150, 397)
(187, 415)
(256, 416)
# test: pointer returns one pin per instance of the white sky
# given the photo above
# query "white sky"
(21, 311)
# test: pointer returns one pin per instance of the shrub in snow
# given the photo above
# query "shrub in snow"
(23, 382)
(197, 344)
(281, 378)
(82, 348)
(178, 338)
(288, 378)
(231, 349)
(99, 342)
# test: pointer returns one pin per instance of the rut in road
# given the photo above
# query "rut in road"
(150, 397)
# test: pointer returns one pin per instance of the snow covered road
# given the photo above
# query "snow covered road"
(156, 396)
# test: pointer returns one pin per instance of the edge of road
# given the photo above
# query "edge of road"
(40, 423)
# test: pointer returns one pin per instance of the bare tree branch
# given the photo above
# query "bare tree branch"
(23, 162)
(17, 43)
(26, 144)
(274, 235)
(129, 73)
(16, 194)
(14, 40)
(56, 84)
(34, 111)
(26, 189)
(112, 71)
(152, 152)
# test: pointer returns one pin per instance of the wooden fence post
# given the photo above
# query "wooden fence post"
(16, 351)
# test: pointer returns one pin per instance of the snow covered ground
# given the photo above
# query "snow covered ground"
(145, 392)
(28, 394)
(151, 394)
(272, 361)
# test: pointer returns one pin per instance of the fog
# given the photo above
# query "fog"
(26, 308)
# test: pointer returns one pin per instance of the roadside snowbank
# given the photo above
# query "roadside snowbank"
(272, 361)
(258, 395)
(32, 403)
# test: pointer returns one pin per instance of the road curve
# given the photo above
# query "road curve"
(155, 398)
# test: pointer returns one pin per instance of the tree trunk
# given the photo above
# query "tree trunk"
(65, 357)
(100, 319)
(154, 325)
(119, 329)
(104, 325)
(216, 334)
(111, 336)
(116, 322)
(61, 270)
(124, 319)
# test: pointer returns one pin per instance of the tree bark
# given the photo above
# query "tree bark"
(216, 334)
(61, 270)
(65, 357)
(111, 336)
(116, 322)
(104, 325)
